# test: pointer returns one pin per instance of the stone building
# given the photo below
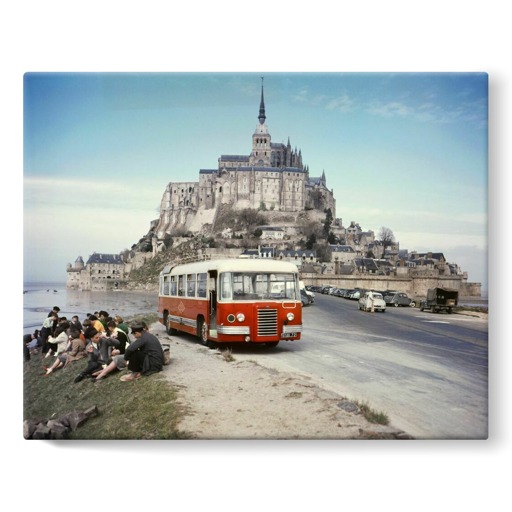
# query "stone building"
(102, 272)
(271, 177)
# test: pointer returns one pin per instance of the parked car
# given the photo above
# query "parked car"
(307, 291)
(399, 299)
(338, 292)
(304, 298)
(365, 302)
(355, 295)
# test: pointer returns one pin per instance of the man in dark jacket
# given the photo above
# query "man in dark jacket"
(145, 355)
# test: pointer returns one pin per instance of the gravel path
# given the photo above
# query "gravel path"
(230, 399)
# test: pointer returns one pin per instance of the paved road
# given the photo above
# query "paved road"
(428, 372)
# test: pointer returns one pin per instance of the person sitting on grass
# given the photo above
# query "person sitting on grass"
(108, 346)
(117, 333)
(46, 330)
(104, 318)
(75, 322)
(121, 324)
(144, 355)
(76, 352)
(95, 322)
(95, 362)
(59, 341)
(117, 361)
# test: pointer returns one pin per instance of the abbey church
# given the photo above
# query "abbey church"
(271, 177)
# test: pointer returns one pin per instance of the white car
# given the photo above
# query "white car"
(309, 293)
(372, 298)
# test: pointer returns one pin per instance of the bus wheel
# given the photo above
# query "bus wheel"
(202, 329)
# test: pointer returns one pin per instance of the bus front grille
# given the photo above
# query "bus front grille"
(267, 322)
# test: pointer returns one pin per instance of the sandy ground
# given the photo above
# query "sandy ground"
(230, 399)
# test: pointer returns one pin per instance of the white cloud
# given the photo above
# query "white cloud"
(54, 194)
(64, 219)
(342, 103)
(390, 109)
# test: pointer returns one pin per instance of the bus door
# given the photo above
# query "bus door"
(212, 299)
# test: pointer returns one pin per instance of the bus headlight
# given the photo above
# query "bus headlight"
(290, 316)
(240, 317)
(231, 318)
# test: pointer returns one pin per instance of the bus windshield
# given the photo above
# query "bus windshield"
(258, 286)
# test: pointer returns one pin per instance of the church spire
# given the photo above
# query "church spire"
(262, 117)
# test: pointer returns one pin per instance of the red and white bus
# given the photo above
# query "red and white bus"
(232, 300)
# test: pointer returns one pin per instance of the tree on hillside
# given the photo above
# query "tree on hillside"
(311, 241)
(386, 236)
(323, 252)
(332, 238)
(327, 222)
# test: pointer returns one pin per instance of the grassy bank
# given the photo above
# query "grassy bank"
(143, 409)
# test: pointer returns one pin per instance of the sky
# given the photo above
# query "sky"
(407, 151)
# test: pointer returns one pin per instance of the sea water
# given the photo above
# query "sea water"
(40, 298)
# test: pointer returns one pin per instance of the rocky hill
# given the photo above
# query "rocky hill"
(243, 224)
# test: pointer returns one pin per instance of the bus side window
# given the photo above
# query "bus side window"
(201, 285)
(191, 285)
(174, 287)
(181, 286)
(166, 285)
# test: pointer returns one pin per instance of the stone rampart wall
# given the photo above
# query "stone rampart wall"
(415, 286)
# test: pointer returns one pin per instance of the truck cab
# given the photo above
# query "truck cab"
(440, 299)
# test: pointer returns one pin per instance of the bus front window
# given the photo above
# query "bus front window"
(258, 286)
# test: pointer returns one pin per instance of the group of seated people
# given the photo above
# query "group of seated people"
(102, 339)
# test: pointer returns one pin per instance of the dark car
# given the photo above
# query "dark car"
(399, 299)
(305, 299)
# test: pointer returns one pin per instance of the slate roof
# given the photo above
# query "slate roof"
(234, 158)
(310, 268)
(114, 259)
(263, 250)
(316, 181)
(384, 263)
(341, 248)
(300, 252)
(271, 169)
(430, 255)
(367, 263)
